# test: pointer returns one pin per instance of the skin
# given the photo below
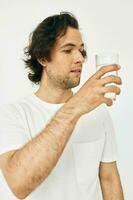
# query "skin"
(57, 79)
(110, 181)
(47, 147)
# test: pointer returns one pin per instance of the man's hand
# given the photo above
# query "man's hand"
(91, 94)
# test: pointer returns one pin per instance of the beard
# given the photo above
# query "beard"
(63, 81)
(70, 83)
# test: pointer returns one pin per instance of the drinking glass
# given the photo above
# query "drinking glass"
(104, 59)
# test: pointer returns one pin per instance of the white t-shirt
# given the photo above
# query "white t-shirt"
(75, 175)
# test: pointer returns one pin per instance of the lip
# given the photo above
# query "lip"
(76, 70)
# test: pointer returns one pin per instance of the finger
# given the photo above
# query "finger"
(104, 69)
(111, 79)
(111, 89)
(108, 101)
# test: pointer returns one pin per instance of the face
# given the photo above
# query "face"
(64, 69)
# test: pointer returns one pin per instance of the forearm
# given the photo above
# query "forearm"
(112, 189)
(30, 165)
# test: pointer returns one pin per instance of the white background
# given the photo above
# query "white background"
(106, 26)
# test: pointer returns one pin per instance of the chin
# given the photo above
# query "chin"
(72, 84)
(75, 84)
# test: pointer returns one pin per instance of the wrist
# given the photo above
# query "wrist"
(70, 112)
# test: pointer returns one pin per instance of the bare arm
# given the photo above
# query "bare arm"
(34, 162)
(27, 167)
(110, 182)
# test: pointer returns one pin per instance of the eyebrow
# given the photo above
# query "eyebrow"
(71, 45)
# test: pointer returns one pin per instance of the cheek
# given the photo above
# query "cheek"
(61, 64)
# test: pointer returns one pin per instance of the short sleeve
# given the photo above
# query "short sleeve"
(110, 151)
(12, 131)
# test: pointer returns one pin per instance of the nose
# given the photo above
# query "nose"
(78, 57)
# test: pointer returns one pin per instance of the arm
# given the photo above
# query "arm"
(34, 161)
(110, 181)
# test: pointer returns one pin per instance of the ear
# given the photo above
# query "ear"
(42, 61)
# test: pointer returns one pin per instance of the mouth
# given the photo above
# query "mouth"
(77, 71)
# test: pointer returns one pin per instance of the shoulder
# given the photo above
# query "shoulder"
(102, 114)
(13, 108)
(103, 111)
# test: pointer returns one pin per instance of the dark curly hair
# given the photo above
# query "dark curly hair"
(43, 39)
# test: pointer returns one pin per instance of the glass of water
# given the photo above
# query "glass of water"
(104, 59)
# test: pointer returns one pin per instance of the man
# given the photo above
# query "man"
(57, 145)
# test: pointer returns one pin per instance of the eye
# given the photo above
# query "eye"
(83, 52)
(67, 51)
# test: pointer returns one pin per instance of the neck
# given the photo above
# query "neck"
(53, 95)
